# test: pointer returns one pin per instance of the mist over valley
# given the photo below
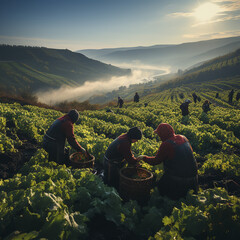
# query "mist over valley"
(100, 75)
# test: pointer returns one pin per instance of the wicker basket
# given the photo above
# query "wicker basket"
(135, 183)
(76, 162)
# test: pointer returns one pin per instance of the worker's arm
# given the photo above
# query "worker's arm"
(69, 132)
(125, 149)
(164, 152)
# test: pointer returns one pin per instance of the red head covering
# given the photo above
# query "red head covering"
(164, 131)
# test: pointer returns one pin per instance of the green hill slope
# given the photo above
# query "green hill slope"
(219, 74)
(177, 56)
(224, 69)
(37, 68)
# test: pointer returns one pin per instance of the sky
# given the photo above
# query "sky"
(96, 24)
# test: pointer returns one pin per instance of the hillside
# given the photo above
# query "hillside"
(217, 52)
(221, 73)
(65, 202)
(177, 56)
(127, 93)
(216, 71)
(36, 68)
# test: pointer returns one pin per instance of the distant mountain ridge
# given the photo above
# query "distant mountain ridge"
(100, 53)
(178, 56)
(36, 68)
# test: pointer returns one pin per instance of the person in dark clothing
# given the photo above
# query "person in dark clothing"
(136, 97)
(118, 153)
(238, 96)
(120, 102)
(180, 166)
(217, 95)
(206, 106)
(181, 95)
(195, 97)
(230, 96)
(184, 107)
(55, 138)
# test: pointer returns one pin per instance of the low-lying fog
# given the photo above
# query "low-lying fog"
(139, 74)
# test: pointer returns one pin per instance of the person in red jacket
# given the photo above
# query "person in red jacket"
(180, 166)
(118, 153)
(55, 138)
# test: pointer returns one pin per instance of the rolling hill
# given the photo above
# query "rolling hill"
(177, 56)
(102, 53)
(221, 73)
(221, 69)
(38, 68)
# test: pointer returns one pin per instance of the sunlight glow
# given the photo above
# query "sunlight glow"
(206, 12)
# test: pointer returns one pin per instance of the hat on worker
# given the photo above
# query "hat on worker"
(164, 131)
(188, 101)
(134, 133)
(74, 115)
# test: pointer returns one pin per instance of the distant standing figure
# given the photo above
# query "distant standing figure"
(195, 97)
(184, 107)
(230, 96)
(181, 95)
(206, 106)
(217, 95)
(238, 96)
(120, 102)
(136, 97)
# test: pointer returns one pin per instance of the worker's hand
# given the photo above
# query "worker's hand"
(135, 165)
(141, 157)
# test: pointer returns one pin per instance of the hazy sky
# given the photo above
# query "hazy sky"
(81, 24)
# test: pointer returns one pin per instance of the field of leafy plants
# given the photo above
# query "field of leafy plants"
(44, 200)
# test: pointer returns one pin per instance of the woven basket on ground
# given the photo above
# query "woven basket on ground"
(135, 183)
(78, 160)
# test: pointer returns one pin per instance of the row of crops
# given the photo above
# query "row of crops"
(51, 201)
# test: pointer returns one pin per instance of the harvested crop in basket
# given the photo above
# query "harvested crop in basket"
(79, 157)
(138, 176)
